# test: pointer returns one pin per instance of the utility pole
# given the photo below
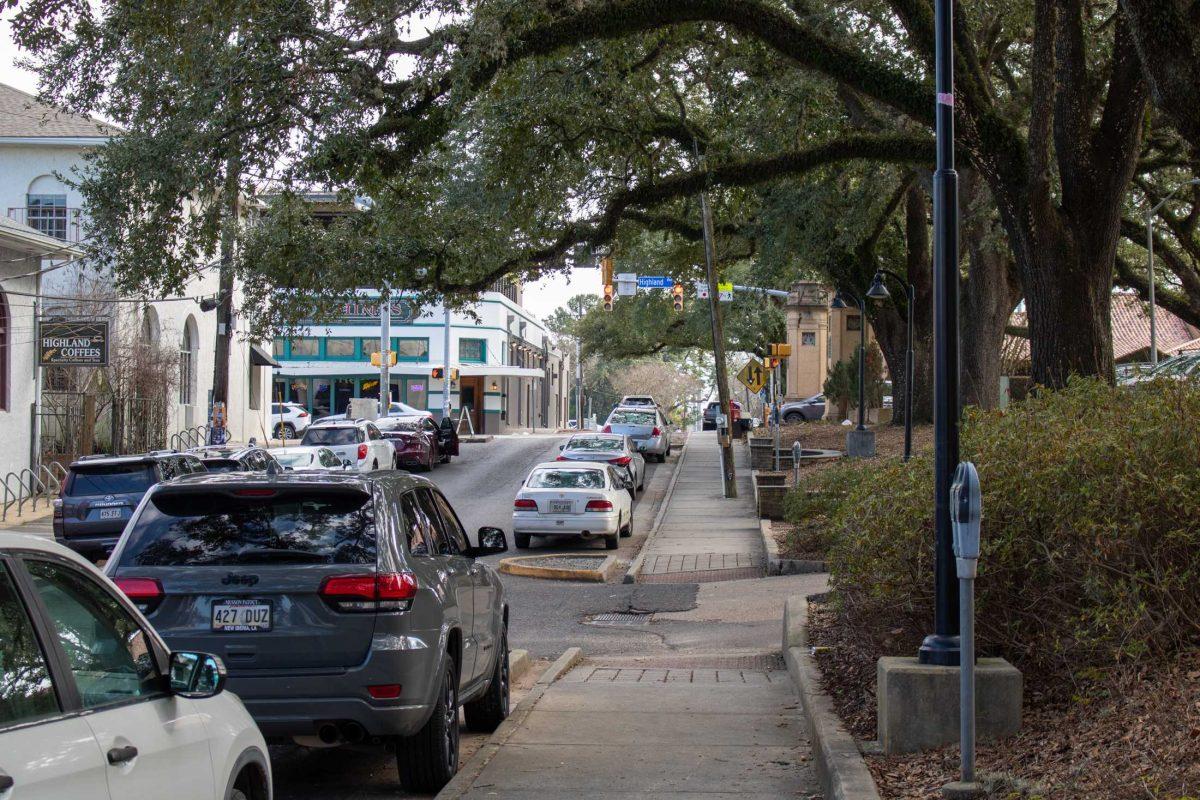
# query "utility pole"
(446, 362)
(220, 383)
(578, 386)
(729, 479)
(385, 351)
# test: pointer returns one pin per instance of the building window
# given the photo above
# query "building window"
(853, 322)
(412, 349)
(305, 347)
(278, 347)
(47, 214)
(472, 351)
(808, 338)
(187, 362)
(339, 348)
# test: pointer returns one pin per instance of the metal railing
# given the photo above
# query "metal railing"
(188, 438)
(30, 486)
(56, 221)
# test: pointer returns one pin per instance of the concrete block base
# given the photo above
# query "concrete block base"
(918, 703)
(860, 444)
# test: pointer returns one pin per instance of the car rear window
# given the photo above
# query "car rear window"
(596, 445)
(631, 418)
(566, 479)
(330, 436)
(101, 479)
(294, 460)
(222, 465)
(180, 529)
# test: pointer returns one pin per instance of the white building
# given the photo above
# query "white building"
(511, 376)
(39, 146)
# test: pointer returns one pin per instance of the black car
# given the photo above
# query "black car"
(101, 492)
(234, 459)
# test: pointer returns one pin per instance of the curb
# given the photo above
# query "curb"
(519, 663)
(635, 568)
(29, 516)
(478, 439)
(461, 783)
(784, 566)
(519, 565)
(840, 767)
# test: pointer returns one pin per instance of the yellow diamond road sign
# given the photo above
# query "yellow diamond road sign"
(753, 376)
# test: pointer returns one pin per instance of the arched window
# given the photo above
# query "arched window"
(46, 207)
(150, 327)
(188, 345)
(5, 343)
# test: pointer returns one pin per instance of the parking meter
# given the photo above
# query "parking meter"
(965, 514)
(797, 455)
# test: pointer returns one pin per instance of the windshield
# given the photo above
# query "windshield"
(596, 445)
(293, 460)
(329, 528)
(399, 424)
(330, 436)
(566, 479)
(104, 479)
(631, 418)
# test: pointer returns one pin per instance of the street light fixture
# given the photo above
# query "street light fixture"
(880, 293)
(1150, 264)
(839, 301)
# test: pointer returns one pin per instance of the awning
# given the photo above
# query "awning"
(260, 357)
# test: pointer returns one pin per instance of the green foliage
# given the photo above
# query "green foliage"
(841, 387)
(1091, 549)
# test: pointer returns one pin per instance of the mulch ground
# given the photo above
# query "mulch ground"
(1119, 735)
(889, 441)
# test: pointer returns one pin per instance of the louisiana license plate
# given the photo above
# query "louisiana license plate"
(561, 506)
(241, 615)
(110, 513)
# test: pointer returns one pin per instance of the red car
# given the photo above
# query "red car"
(419, 442)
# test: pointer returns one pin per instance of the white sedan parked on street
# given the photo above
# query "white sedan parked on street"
(301, 459)
(94, 705)
(578, 498)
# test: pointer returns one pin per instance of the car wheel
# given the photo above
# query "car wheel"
(485, 714)
(428, 759)
(627, 531)
(285, 431)
(521, 540)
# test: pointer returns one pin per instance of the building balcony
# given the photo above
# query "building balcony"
(58, 222)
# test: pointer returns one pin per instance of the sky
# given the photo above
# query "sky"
(541, 298)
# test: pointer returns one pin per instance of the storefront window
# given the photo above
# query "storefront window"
(320, 398)
(412, 349)
(343, 390)
(416, 393)
(472, 350)
(339, 348)
(299, 391)
(368, 387)
(307, 347)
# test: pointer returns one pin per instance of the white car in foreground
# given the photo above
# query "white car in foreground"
(576, 498)
(94, 705)
(312, 459)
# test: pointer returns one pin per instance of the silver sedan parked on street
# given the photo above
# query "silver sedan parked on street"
(646, 426)
(609, 448)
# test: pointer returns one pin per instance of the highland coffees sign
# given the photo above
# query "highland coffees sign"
(73, 343)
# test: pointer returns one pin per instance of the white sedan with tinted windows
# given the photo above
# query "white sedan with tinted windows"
(578, 498)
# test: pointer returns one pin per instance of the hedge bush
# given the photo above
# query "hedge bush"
(1091, 528)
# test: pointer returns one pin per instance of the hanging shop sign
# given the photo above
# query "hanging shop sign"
(73, 343)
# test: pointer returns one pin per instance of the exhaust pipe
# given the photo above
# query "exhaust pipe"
(329, 734)
(352, 732)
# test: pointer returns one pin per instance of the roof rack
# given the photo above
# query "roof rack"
(94, 456)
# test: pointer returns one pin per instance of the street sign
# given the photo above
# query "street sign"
(626, 288)
(753, 376)
(627, 277)
(725, 292)
(73, 343)
(654, 282)
(701, 289)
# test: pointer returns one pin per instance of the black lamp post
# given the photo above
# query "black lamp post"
(880, 292)
(839, 301)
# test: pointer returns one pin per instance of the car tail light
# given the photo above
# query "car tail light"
(623, 461)
(146, 593)
(302, 415)
(525, 502)
(599, 505)
(656, 432)
(383, 591)
(362, 452)
(561, 458)
(606, 429)
(386, 691)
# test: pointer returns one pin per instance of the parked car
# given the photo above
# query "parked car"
(94, 704)
(357, 441)
(609, 448)
(1184, 366)
(100, 493)
(713, 410)
(289, 420)
(638, 400)
(646, 426)
(300, 458)
(418, 440)
(583, 498)
(806, 410)
(217, 458)
(350, 608)
(396, 408)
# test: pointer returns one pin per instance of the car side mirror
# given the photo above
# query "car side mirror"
(346, 463)
(492, 541)
(196, 675)
(562, 447)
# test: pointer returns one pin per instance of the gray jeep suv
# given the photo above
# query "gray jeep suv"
(347, 608)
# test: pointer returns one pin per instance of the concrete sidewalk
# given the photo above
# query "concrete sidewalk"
(703, 536)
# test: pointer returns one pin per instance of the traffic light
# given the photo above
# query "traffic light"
(677, 296)
(781, 350)
(437, 373)
(606, 270)
(608, 297)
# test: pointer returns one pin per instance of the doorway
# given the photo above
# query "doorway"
(470, 397)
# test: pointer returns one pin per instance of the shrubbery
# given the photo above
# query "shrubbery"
(1091, 531)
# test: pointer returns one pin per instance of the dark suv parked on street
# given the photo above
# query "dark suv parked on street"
(101, 492)
(218, 458)
(347, 608)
